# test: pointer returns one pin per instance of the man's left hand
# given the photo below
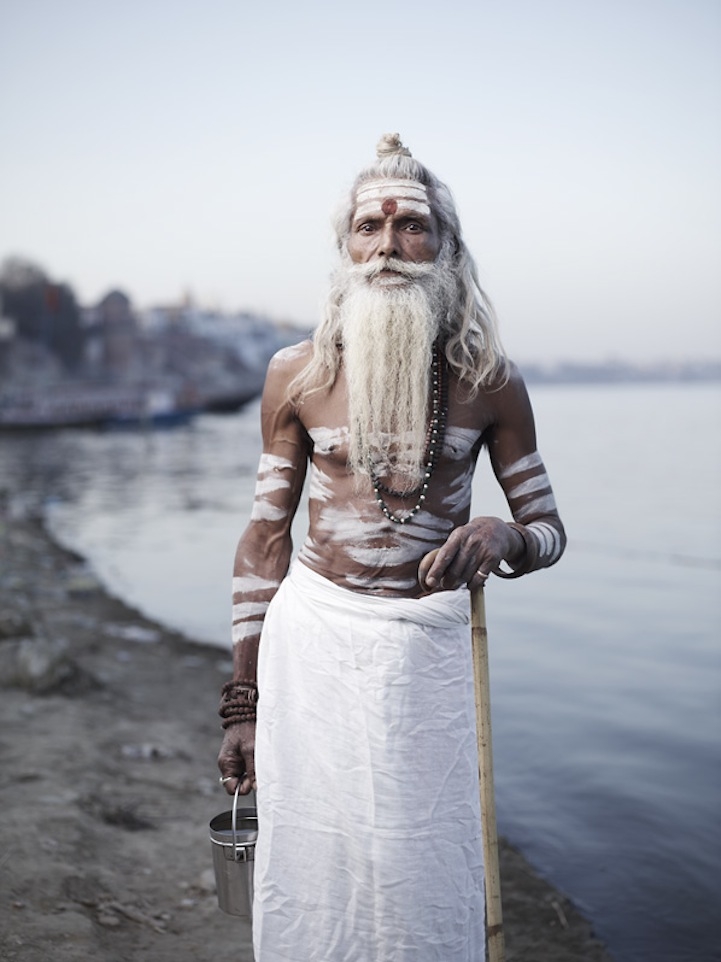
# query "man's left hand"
(470, 554)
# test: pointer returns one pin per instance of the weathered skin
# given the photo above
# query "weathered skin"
(350, 541)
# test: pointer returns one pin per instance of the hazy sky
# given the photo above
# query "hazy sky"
(165, 146)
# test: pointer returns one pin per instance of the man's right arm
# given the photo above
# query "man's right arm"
(261, 562)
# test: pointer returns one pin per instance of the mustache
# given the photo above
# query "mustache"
(409, 269)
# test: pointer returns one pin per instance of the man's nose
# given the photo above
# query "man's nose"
(387, 242)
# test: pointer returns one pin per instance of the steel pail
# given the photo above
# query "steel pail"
(233, 835)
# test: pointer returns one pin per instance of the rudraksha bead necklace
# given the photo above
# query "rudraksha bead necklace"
(434, 446)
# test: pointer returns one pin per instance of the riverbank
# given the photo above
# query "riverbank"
(108, 782)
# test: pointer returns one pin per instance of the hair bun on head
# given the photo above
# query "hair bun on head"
(390, 146)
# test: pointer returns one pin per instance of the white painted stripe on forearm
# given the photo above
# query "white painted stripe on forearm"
(246, 629)
(523, 464)
(247, 584)
(542, 505)
(249, 609)
(528, 487)
(549, 539)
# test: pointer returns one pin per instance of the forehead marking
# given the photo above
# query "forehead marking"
(389, 206)
(407, 194)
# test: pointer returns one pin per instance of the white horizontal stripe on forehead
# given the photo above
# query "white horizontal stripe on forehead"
(405, 206)
(391, 187)
(410, 196)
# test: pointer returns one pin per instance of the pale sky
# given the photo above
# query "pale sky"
(165, 146)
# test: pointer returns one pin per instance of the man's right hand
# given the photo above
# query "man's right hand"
(236, 758)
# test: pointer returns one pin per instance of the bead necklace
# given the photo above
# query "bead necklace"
(433, 448)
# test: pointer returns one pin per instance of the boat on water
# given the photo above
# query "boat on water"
(98, 406)
(93, 407)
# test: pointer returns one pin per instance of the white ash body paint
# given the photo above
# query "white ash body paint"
(348, 526)
(383, 584)
(374, 542)
(523, 464)
(539, 483)
(457, 495)
(249, 584)
(409, 195)
(291, 351)
(264, 510)
(246, 610)
(319, 484)
(459, 442)
(328, 440)
(270, 480)
(543, 501)
(538, 489)
(248, 619)
(544, 505)
(403, 550)
(549, 541)
(271, 462)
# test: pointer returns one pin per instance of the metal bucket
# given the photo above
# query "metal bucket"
(233, 835)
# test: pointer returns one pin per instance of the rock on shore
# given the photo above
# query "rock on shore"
(108, 782)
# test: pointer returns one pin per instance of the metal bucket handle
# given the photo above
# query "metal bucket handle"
(240, 852)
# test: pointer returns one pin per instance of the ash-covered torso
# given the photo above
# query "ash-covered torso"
(350, 541)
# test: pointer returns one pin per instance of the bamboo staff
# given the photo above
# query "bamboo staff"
(481, 679)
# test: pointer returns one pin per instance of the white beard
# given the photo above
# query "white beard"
(389, 324)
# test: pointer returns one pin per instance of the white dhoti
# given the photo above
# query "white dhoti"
(369, 846)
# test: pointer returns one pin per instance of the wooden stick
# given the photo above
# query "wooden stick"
(481, 678)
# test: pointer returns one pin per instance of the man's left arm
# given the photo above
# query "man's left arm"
(535, 538)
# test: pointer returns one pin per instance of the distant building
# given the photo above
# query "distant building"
(117, 330)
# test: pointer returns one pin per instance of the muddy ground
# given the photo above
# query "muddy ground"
(108, 781)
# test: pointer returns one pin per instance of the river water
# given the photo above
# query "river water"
(605, 670)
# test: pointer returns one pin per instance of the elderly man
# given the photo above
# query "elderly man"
(357, 659)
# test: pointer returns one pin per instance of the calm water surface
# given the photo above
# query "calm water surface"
(606, 670)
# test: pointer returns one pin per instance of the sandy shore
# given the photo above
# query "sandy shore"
(108, 782)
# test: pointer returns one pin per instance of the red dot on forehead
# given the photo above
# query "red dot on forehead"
(389, 206)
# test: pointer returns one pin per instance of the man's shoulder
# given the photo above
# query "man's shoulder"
(293, 356)
(290, 361)
(512, 376)
(507, 380)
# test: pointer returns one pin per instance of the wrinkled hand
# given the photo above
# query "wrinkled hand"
(236, 758)
(470, 554)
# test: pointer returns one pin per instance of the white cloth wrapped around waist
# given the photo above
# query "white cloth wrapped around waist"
(369, 844)
(438, 610)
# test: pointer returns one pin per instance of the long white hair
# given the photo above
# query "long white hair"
(469, 330)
